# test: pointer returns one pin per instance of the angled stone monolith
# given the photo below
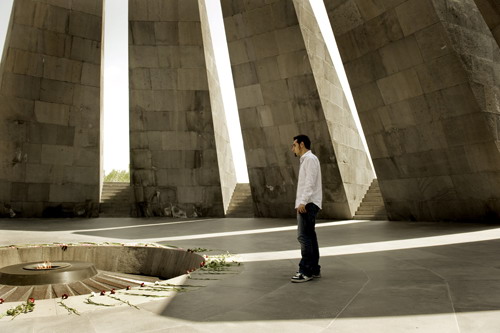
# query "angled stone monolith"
(50, 109)
(174, 161)
(286, 85)
(425, 79)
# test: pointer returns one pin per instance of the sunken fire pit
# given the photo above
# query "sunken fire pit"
(78, 269)
(37, 273)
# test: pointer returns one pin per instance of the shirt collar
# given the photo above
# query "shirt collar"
(303, 156)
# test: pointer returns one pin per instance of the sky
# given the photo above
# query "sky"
(115, 80)
(116, 148)
(5, 9)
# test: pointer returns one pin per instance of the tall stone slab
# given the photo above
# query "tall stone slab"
(173, 151)
(425, 79)
(354, 166)
(283, 89)
(50, 109)
(490, 10)
(225, 161)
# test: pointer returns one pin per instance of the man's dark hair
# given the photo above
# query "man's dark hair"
(303, 138)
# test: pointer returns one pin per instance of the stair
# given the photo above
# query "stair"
(372, 206)
(241, 204)
(102, 281)
(115, 199)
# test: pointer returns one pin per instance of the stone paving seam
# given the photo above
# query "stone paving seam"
(354, 297)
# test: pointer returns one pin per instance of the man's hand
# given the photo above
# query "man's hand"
(301, 209)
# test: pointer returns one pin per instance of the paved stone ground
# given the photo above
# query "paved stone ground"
(378, 276)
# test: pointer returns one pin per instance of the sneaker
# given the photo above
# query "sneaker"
(316, 276)
(299, 277)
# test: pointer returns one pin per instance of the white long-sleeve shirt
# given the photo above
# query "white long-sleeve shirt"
(309, 183)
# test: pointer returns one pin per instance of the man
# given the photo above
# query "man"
(307, 204)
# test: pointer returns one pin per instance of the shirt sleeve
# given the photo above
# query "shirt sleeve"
(311, 173)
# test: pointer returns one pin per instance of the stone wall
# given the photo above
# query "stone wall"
(424, 75)
(50, 109)
(173, 152)
(490, 10)
(279, 96)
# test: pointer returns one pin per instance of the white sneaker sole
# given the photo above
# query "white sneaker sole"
(300, 281)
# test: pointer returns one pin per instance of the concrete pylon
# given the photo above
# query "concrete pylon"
(50, 109)
(286, 85)
(181, 160)
(425, 79)
(490, 10)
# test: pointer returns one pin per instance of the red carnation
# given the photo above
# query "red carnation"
(103, 293)
(31, 300)
(64, 296)
(1, 300)
(142, 284)
(113, 291)
(128, 288)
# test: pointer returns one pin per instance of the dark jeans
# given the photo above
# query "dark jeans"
(308, 241)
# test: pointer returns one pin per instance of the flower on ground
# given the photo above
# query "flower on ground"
(112, 291)
(142, 284)
(1, 300)
(64, 296)
(31, 300)
(103, 292)
(128, 288)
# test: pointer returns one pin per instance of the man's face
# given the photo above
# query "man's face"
(296, 148)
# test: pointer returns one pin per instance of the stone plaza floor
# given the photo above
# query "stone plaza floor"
(377, 276)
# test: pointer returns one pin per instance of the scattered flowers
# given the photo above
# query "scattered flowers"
(124, 302)
(70, 310)
(21, 308)
(210, 265)
(89, 301)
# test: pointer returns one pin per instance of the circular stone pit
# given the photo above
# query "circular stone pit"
(116, 266)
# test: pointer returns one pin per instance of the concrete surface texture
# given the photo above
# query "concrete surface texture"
(425, 78)
(50, 108)
(174, 166)
(376, 275)
(424, 75)
(286, 84)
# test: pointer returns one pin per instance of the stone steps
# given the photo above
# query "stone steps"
(241, 204)
(102, 281)
(115, 199)
(372, 206)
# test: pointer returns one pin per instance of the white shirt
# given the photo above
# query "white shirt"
(309, 183)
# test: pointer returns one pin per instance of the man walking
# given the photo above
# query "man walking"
(307, 204)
